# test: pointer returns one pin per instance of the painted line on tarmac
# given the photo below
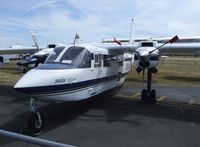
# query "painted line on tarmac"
(161, 101)
(192, 102)
(135, 95)
(180, 105)
(161, 98)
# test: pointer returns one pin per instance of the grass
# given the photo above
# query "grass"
(9, 74)
(171, 71)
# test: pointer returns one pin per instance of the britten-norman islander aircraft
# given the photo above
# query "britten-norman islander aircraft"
(73, 73)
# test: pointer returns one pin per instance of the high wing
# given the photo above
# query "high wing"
(18, 50)
(185, 45)
(180, 49)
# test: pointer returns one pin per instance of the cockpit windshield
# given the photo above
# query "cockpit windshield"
(75, 56)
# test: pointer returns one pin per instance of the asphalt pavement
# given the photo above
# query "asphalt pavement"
(120, 120)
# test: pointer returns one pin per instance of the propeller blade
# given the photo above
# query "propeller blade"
(174, 39)
(117, 41)
(35, 40)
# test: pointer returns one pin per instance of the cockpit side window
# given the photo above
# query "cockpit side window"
(86, 60)
(71, 54)
(54, 54)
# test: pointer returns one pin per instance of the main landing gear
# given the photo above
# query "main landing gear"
(149, 95)
(35, 122)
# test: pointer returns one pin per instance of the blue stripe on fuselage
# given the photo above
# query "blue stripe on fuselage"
(66, 87)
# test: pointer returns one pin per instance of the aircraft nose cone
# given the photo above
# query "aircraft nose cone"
(29, 81)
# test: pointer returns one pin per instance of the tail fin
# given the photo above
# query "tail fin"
(132, 39)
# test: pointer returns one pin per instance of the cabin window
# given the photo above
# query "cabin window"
(51, 46)
(117, 59)
(97, 60)
(113, 60)
(107, 61)
(147, 44)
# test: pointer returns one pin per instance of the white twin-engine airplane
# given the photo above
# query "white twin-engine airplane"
(39, 56)
(147, 58)
(74, 73)
(33, 55)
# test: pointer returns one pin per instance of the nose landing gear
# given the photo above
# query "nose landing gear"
(148, 95)
(35, 122)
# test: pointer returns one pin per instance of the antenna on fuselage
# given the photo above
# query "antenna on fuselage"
(76, 38)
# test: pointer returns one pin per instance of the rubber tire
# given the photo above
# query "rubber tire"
(153, 96)
(32, 122)
(144, 95)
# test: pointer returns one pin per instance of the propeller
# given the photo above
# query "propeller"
(35, 40)
(174, 39)
(33, 59)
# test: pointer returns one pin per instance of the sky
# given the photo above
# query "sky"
(57, 21)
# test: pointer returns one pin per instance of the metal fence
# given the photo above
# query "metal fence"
(27, 140)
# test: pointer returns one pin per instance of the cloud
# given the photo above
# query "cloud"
(59, 20)
(42, 4)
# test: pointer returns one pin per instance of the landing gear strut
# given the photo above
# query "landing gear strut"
(148, 95)
(35, 122)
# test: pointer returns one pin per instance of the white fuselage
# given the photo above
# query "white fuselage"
(58, 82)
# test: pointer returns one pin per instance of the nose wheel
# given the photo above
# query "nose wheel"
(35, 122)
(148, 95)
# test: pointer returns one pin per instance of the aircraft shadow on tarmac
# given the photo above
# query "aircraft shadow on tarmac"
(116, 109)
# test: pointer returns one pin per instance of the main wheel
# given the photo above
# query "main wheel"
(153, 96)
(34, 125)
(143, 95)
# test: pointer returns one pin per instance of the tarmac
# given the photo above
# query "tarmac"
(120, 120)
